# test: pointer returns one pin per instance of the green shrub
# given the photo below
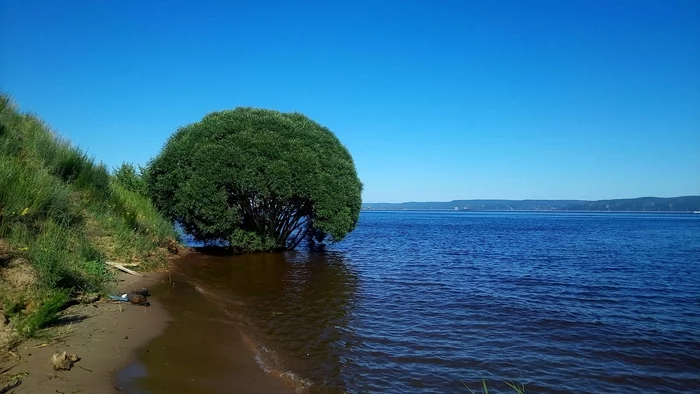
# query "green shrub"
(131, 179)
(250, 241)
(46, 314)
(254, 173)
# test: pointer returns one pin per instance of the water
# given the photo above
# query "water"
(429, 302)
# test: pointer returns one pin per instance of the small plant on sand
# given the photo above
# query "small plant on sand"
(485, 390)
(46, 313)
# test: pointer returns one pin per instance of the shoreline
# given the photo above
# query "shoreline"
(202, 326)
(105, 335)
(517, 211)
(117, 342)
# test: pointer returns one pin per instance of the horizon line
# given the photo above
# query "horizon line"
(532, 199)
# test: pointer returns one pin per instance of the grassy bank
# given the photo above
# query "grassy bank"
(62, 215)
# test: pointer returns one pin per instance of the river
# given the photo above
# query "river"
(437, 301)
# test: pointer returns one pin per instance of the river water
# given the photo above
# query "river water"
(437, 301)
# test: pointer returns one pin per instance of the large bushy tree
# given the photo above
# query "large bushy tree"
(259, 179)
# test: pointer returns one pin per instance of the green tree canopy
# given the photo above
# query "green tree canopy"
(131, 178)
(259, 179)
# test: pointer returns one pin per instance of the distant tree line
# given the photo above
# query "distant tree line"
(642, 204)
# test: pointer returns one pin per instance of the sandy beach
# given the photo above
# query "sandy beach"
(109, 336)
(104, 334)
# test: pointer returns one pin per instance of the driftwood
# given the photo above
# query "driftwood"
(10, 386)
(121, 267)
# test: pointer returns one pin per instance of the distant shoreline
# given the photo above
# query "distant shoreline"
(680, 204)
(514, 211)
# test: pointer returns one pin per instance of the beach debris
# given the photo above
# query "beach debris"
(143, 291)
(136, 297)
(172, 247)
(118, 297)
(16, 379)
(64, 361)
(88, 298)
(121, 267)
(7, 369)
(10, 386)
(16, 376)
(63, 334)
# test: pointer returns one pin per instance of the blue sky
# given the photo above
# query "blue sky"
(436, 100)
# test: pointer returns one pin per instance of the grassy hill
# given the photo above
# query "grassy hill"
(62, 215)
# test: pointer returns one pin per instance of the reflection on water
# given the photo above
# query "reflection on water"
(289, 312)
(293, 307)
(303, 310)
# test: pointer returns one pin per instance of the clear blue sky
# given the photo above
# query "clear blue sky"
(436, 100)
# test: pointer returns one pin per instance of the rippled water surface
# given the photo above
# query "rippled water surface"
(424, 301)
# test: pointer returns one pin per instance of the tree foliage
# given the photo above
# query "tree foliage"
(259, 179)
(131, 178)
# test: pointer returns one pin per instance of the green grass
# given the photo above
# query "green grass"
(485, 389)
(66, 214)
(46, 314)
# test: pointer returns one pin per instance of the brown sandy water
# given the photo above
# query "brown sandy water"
(230, 315)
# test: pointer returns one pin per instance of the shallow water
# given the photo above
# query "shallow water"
(429, 302)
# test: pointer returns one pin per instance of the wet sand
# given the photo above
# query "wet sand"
(112, 338)
(202, 350)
